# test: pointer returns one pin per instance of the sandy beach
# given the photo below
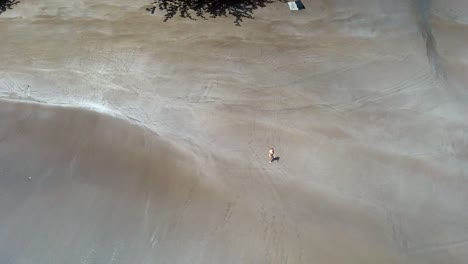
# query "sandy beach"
(127, 139)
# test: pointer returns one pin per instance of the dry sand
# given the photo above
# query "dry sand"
(363, 101)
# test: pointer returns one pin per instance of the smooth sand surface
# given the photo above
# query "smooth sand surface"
(124, 139)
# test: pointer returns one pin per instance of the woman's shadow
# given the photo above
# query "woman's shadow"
(275, 159)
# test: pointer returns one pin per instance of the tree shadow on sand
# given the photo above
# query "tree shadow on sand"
(204, 9)
(7, 4)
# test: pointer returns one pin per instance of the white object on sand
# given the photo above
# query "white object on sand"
(296, 5)
(293, 6)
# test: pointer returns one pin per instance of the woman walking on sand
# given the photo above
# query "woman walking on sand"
(271, 155)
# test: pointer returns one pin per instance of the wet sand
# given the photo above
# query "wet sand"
(124, 139)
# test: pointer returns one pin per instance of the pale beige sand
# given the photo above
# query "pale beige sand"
(369, 120)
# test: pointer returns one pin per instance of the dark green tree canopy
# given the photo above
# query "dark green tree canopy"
(192, 9)
(7, 4)
(204, 9)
